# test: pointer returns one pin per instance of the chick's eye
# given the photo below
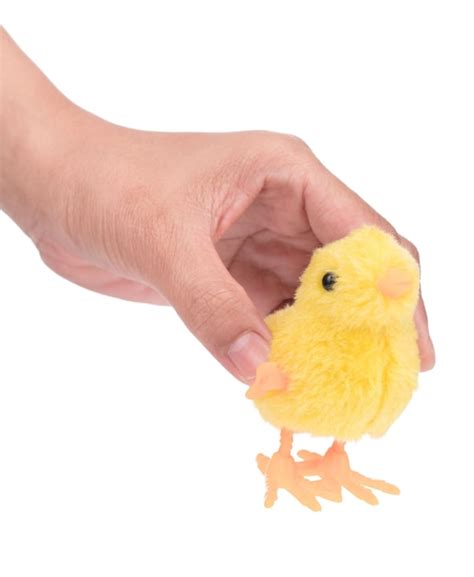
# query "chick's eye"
(329, 280)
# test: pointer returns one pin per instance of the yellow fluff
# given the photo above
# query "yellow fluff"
(349, 352)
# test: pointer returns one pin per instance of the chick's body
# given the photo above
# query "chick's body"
(343, 383)
(349, 349)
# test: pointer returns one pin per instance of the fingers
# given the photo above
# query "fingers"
(334, 210)
(214, 306)
(425, 344)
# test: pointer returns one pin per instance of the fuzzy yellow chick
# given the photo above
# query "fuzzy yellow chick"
(343, 363)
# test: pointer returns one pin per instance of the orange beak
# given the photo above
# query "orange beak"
(395, 283)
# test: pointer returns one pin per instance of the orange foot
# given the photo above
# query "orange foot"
(281, 472)
(334, 470)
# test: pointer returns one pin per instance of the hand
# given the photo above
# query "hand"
(220, 226)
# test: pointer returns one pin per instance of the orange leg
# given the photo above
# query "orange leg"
(334, 469)
(282, 472)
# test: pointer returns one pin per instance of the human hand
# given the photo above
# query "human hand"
(220, 226)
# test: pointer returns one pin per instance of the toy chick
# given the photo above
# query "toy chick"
(343, 362)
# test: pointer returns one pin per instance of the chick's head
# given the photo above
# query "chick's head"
(366, 279)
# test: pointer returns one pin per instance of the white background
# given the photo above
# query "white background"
(124, 449)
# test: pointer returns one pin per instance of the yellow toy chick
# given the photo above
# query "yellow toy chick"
(343, 362)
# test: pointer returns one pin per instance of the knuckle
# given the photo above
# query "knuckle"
(296, 142)
(279, 143)
(290, 144)
(287, 161)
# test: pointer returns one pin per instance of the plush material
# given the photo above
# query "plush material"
(348, 351)
(343, 363)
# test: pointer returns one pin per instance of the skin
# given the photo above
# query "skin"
(219, 226)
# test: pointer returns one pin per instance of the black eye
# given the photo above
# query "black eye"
(329, 280)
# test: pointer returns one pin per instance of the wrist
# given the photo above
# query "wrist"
(33, 125)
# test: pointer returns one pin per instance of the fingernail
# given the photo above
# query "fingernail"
(425, 343)
(247, 352)
(428, 355)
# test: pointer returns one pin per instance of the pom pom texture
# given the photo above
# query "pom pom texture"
(350, 353)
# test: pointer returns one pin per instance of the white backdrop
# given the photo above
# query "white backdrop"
(125, 450)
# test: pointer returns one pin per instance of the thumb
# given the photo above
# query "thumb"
(216, 308)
